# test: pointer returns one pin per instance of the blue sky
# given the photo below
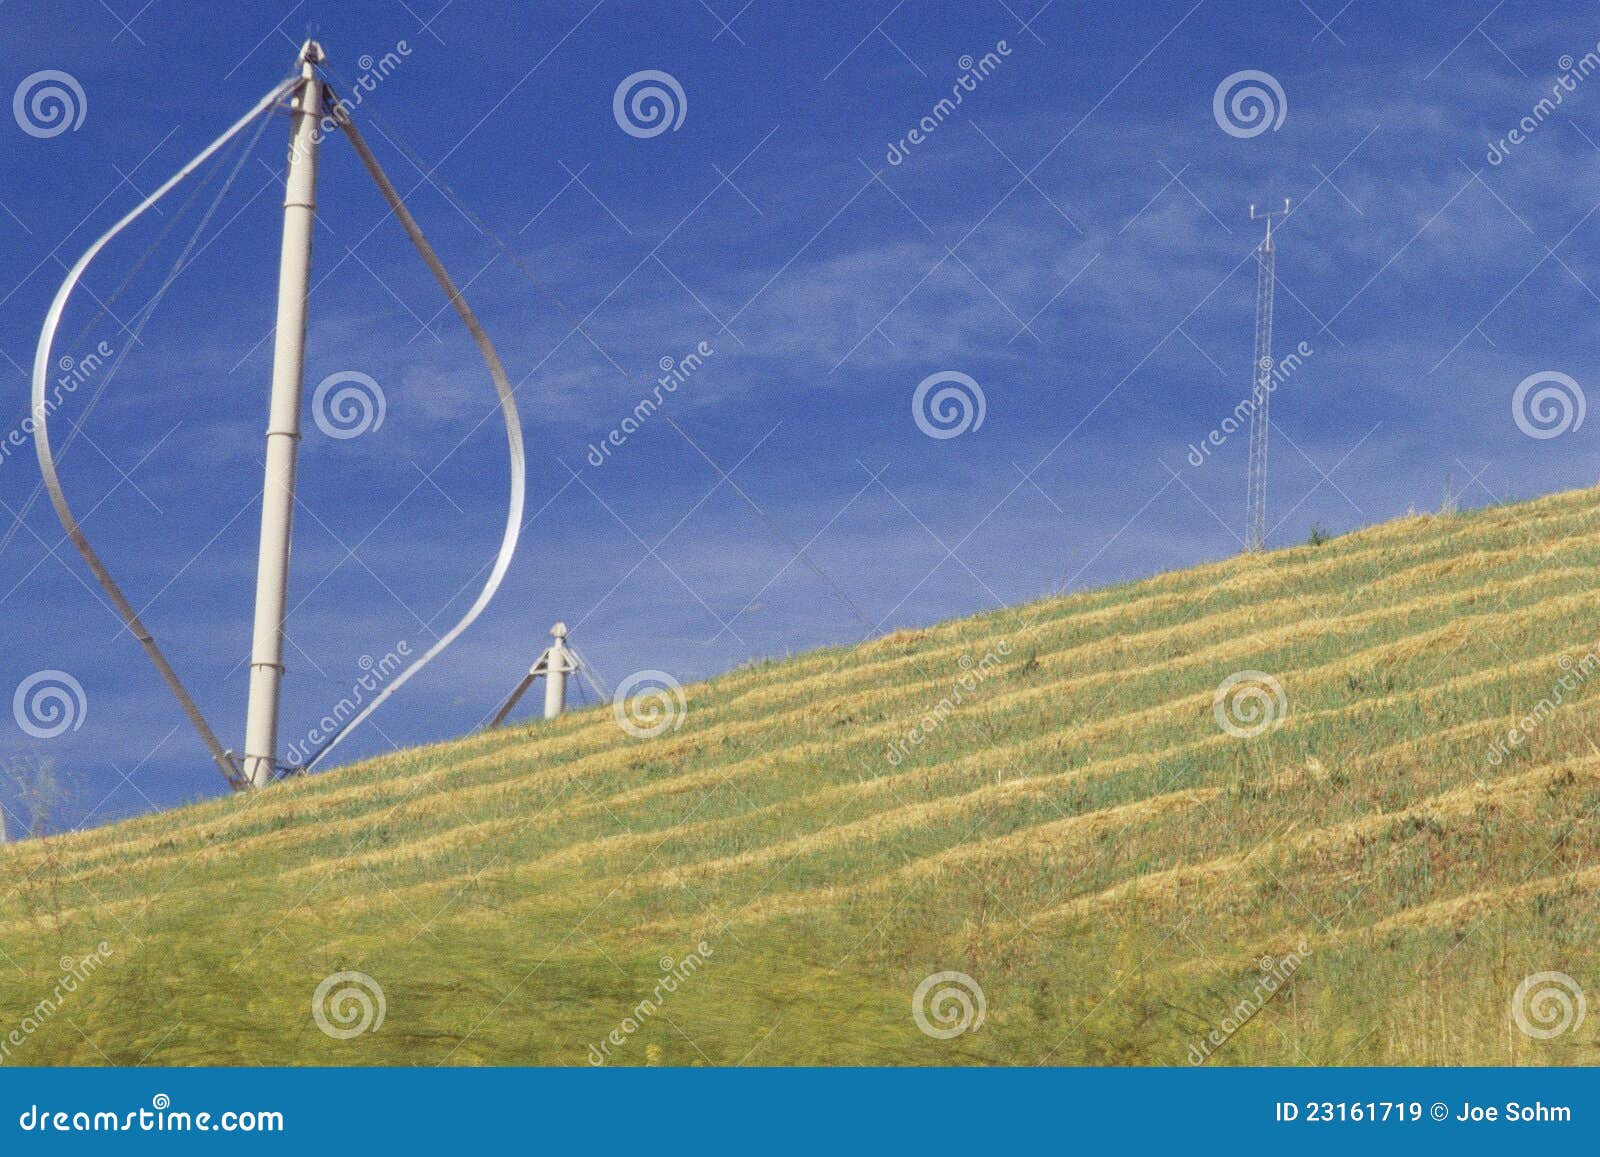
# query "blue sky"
(1074, 238)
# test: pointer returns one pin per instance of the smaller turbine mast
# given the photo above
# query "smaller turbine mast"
(555, 663)
(1255, 534)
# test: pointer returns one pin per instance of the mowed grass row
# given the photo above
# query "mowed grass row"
(423, 818)
(268, 818)
(1078, 835)
(601, 818)
(1353, 572)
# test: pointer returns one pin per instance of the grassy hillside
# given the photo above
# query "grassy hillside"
(1073, 829)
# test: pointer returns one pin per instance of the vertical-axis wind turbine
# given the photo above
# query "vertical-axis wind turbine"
(1255, 517)
(314, 109)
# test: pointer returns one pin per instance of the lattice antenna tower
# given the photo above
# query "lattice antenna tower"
(1255, 534)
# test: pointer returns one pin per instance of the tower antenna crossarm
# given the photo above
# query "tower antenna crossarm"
(1269, 215)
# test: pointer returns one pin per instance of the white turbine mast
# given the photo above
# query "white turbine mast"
(283, 427)
(1255, 517)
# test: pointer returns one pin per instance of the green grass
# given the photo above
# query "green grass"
(1074, 831)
